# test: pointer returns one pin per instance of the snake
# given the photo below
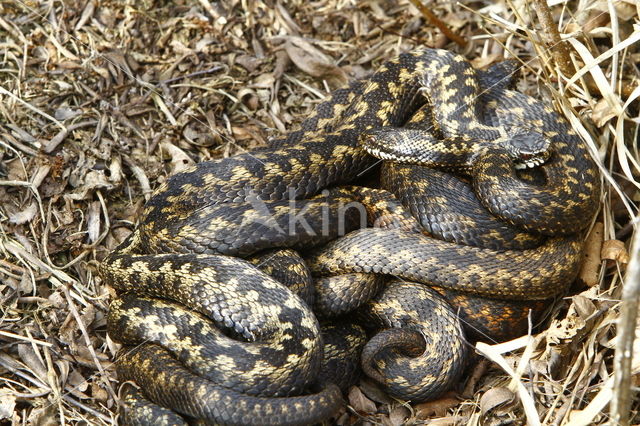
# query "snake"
(210, 334)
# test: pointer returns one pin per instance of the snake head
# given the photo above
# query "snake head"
(528, 148)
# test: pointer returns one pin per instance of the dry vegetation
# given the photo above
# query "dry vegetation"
(101, 101)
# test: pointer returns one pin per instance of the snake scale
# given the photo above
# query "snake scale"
(214, 327)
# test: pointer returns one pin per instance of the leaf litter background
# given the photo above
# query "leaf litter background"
(101, 101)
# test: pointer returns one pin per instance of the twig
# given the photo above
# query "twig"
(621, 402)
(191, 75)
(32, 108)
(87, 408)
(87, 339)
(560, 51)
(460, 41)
(27, 339)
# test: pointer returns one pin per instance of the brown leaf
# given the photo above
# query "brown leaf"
(67, 329)
(65, 113)
(626, 10)
(361, 403)
(584, 306)
(495, 398)
(264, 81)
(179, 159)
(374, 392)
(476, 374)
(437, 408)
(484, 61)
(398, 415)
(449, 421)
(77, 384)
(602, 112)
(614, 250)
(94, 179)
(282, 63)
(249, 98)
(46, 416)
(313, 62)
(565, 329)
(98, 392)
(31, 359)
(590, 269)
(248, 62)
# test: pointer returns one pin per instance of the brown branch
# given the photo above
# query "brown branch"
(621, 401)
(559, 49)
(459, 40)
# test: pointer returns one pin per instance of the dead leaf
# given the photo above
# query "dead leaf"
(25, 215)
(574, 324)
(285, 18)
(565, 329)
(282, 63)
(449, 421)
(93, 221)
(94, 179)
(264, 81)
(21, 133)
(67, 330)
(590, 269)
(398, 415)
(98, 392)
(32, 360)
(361, 403)
(437, 408)
(590, 21)
(57, 300)
(483, 62)
(495, 398)
(478, 371)
(7, 405)
(584, 306)
(614, 250)
(179, 159)
(41, 172)
(46, 416)
(65, 113)
(315, 63)
(602, 113)
(624, 10)
(248, 62)
(248, 135)
(249, 98)
(374, 392)
(77, 383)
(69, 327)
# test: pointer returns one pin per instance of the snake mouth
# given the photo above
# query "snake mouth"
(531, 161)
(528, 149)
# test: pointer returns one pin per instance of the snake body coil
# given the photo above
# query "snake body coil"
(198, 315)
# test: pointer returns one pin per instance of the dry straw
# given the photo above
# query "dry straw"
(96, 97)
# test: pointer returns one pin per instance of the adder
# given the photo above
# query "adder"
(189, 246)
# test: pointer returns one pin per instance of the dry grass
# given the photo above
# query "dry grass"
(100, 102)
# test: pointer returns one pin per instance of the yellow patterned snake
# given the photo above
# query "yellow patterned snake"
(181, 252)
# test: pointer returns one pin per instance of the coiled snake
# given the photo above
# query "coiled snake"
(218, 339)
